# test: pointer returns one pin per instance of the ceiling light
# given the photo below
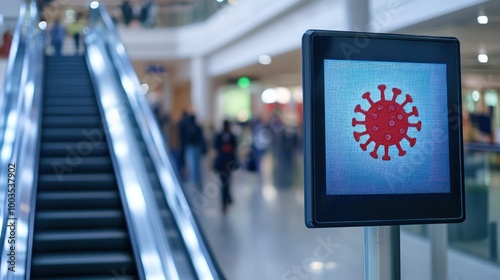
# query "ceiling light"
(331, 265)
(269, 96)
(145, 88)
(297, 94)
(482, 19)
(42, 25)
(315, 265)
(475, 96)
(265, 59)
(483, 58)
(94, 4)
(283, 95)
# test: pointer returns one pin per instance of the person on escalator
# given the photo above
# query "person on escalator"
(75, 30)
(225, 161)
(57, 34)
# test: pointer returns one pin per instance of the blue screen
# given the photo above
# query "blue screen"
(386, 128)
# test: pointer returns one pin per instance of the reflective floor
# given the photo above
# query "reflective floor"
(263, 236)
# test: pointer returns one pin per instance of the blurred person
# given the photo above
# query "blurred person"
(136, 13)
(181, 126)
(127, 12)
(225, 161)
(57, 34)
(283, 149)
(75, 30)
(194, 148)
(144, 13)
(148, 14)
(6, 42)
(261, 137)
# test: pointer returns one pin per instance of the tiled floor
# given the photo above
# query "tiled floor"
(263, 237)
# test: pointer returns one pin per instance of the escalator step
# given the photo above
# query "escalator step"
(67, 134)
(70, 101)
(65, 71)
(80, 219)
(76, 263)
(71, 121)
(115, 274)
(78, 200)
(81, 240)
(68, 92)
(94, 146)
(78, 164)
(70, 110)
(66, 180)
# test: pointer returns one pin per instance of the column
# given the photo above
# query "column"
(358, 15)
(200, 89)
(438, 235)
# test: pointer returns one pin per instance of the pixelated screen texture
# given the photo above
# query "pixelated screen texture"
(425, 166)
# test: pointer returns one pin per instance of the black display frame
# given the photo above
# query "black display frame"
(322, 210)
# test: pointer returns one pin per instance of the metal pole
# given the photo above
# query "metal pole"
(493, 242)
(382, 253)
(438, 235)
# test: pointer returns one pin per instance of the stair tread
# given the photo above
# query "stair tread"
(79, 214)
(76, 235)
(82, 160)
(80, 258)
(54, 195)
(53, 178)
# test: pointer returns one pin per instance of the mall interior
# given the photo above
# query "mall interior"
(103, 179)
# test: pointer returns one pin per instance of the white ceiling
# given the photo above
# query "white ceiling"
(286, 68)
(474, 39)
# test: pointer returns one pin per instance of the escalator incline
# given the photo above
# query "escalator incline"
(80, 230)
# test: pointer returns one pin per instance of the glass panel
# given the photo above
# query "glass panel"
(479, 234)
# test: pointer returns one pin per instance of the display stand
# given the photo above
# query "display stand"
(382, 253)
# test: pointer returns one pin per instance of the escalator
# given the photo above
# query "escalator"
(80, 230)
(95, 194)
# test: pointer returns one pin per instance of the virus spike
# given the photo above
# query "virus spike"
(396, 92)
(374, 152)
(407, 100)
(356, 122)
(367, 97)
(365, 145)
(386, 123)
(412, 141)
(401, 151)
(357, 135)
(414, 112)
(382, 91)
(386, 155)
(417, 125)
(359, 110)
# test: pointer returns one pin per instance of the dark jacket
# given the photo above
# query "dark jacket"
(226, 160)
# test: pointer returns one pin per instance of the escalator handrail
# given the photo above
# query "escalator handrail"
(153, 253)
(20, 127)
(11, 60)
(199, 254)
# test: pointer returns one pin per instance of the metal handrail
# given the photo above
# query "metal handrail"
(21, 102)
(481, 147)
(12, 81)
(199, 254)
(150, 247)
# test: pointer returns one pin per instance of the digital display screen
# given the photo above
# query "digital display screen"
(386, 127)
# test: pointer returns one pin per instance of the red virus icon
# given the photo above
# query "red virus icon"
(386, 123)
